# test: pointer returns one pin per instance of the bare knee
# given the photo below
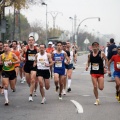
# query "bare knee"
(101, 88)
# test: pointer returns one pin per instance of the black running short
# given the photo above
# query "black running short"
(9, 74)
(43, 73)
(29, 67)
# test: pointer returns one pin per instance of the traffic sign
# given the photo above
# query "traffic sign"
(86, 41)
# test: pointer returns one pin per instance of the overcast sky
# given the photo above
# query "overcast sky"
(107, 10)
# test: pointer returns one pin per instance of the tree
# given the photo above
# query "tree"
(24, 28)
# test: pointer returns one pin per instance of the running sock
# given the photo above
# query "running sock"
(6, 94)
(69, 83)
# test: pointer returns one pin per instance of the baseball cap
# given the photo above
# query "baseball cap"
(50, 43)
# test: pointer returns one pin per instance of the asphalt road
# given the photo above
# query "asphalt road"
(54, 109)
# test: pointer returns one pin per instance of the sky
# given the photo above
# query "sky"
(107, 10)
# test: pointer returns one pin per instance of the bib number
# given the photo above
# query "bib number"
(95, 66)
(31, 57)
(6, 63)
(58, 64)
(118, 65)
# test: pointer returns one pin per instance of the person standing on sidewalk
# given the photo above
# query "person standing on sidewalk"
(112, 50)
(96, 58)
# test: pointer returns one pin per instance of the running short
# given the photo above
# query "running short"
(9, 74)
(97, 75)
(22, 64)
(116, 74)
(43, 73)
(70, 66)
(59, 71)
(28, 68)
(1, 67)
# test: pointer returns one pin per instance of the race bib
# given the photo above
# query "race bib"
(95, 66)
(31, 57)
(118, 65)
(42, 62)
(58, 64)
(6, 63)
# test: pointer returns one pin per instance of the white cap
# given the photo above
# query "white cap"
(50, 43)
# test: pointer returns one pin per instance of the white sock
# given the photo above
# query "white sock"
(6, 95)
(69, 83)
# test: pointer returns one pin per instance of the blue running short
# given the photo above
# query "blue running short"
(116, 74)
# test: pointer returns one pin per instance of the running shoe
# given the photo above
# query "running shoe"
(30, 99)
(6, 103)
(35, 94)
(69, 89)
(43, 101)
(14, 90)
(60, 97)
(97, 102)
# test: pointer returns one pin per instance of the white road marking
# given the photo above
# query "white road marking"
(86, 95)
(78, 106)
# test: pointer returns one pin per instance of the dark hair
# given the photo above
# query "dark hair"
(32, 37)
(64, 43)
(43, 44)
(1, 42)
(59, 42)
(95, 43)
(111, 40)
(14, 41)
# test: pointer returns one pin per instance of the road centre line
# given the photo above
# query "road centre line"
(78, 106)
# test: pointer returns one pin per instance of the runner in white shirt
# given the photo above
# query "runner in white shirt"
(43, 61)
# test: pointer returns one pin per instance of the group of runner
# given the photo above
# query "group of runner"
(38, 63)
(41, 63)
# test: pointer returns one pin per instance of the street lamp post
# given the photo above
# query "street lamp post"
(54, 14)
(46, 22)
(83, 21)
(72, 27)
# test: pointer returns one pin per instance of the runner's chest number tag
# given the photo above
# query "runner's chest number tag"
(7, 62)
(42, 62)
(58, 64)
(95, 66)
(31, 57)
(118, 65)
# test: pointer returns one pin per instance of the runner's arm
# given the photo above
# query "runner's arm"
(1, 60)
(105, 58)
(22, 54)
(67, 58)
(35, 61)
(50, 60)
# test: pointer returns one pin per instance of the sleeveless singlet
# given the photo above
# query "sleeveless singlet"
(41, 61)
(59, 60)
(96, 64)
(6, 60)
(30, 55)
